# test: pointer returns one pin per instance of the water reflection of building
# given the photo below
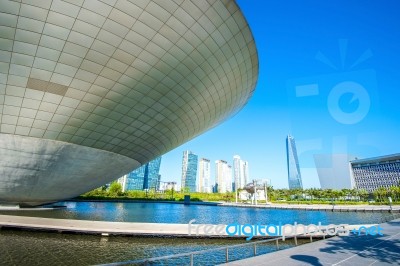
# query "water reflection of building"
(145, 177)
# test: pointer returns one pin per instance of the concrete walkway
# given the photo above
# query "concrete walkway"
(127, 228)
(350, 250)
(93, 227)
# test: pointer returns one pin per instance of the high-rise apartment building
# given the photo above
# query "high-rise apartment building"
(145, 177)
(204, 184)
(294, 176)
(246, 178)
(229, 181)
(189, 171)
(223, 176)
(240, 173)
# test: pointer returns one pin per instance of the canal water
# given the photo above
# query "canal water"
(153, 212)
(39, 248)
(42, 248)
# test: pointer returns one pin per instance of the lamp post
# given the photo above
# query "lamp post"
(255, 191)
(266, 192)
(266, 189)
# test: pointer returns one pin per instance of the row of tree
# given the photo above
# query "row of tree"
(312, 194)
(380, 195)
(318, 194)
(115, 191)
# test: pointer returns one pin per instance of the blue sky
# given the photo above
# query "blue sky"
(329, 75)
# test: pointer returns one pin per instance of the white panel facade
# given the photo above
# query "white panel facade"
(123, 77)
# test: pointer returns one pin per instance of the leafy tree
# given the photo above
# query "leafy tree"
(363, 194)
(380, 194)
(115, 189)
(186, 190)
(228, 196)
(170, 192)
(336, 194)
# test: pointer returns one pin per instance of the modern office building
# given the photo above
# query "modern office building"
(240, 173)
(145, 177)
(189, 171)
(168, 186)
(223, 176)
(373, 173)
(294, 175)
(91, 90)
(152, 176)
(204, 184)
(334, 171)
(236, 172)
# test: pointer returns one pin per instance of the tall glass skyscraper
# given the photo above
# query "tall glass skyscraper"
(152, 174)
(189, 171)
(294, 176)
(145, 177)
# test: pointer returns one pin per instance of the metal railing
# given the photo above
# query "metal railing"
(147, 261)
(190, 255)
(390, 217)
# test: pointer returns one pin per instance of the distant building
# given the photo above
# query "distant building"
(122, 181)
(168, 186)
(204, 184)
(145, 177)
(189, 171)
(229, 181)
(240, 173)
(294, 175)
(372, 173)
(223, 176)
(334, 170)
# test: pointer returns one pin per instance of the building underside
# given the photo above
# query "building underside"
(90, 90)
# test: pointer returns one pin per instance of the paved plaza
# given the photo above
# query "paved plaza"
(347, 250)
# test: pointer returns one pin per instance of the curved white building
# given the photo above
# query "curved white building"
(90, 90)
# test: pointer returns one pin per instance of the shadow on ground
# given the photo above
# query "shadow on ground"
(306, 258)
(377, 247)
